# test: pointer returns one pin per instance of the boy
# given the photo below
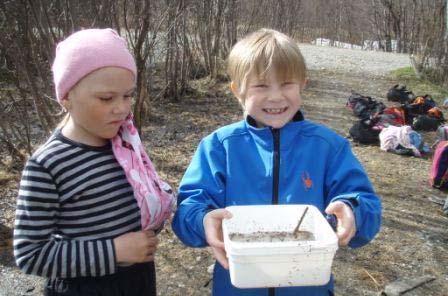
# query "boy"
(274, 156)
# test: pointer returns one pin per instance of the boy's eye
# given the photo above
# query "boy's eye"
(260, 85)
(286, 83)
(105, 99)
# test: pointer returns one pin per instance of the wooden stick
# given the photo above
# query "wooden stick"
(296, 230)
(373, 279)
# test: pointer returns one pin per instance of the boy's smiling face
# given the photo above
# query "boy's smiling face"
(271, 101)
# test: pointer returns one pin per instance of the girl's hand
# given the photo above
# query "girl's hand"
(213, 234)
(136, 247)
(346, 221)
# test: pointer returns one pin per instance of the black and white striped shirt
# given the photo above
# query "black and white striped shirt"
(73, 200)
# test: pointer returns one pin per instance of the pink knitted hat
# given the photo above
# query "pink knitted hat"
(86, 51)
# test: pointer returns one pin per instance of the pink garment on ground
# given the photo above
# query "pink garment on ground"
(392, 136)
(154, 197)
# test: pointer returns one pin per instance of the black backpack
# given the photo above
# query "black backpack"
(363, 132)
(353, 99)
(420, 105)
(426, 123)
(366, 107)
(400, 94)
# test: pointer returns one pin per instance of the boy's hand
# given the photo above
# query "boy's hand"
(136, 247)
(213, 234)
(346, 221)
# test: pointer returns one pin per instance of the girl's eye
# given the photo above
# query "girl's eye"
(287, 83)
(105, 99)
(260, 85)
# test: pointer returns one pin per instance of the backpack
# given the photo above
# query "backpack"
(367, 106)
(441, 135)
(435, 113)
(361, 109)
(364, 131)
(421, 105)
(438, 177)
(397, 115)
(426, 123)
(353, 99)
(399, 93)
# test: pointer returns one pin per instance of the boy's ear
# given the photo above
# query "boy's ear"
(235, 90)
(304, 84)
(233, 87)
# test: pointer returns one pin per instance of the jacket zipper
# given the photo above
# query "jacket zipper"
(275, 177)
(276, 164)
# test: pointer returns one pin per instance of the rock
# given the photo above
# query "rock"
(400, 287)
(210, 269)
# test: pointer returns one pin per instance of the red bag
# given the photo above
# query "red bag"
(397, 115)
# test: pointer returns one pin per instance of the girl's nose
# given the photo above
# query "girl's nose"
(123, 106)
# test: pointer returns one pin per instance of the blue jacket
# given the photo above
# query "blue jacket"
(301, 163)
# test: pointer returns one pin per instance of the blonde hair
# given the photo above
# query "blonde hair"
(262, 51)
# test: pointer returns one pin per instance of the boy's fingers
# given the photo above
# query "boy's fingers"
(213, 227)
(221, 214)
(213, 234)
(220, 256)
(215, 243)
(343, 236)
(335, 207)
(346, 227)
(330, 209)
(345, 240)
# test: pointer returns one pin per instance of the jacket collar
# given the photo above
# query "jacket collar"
(297, 117)
(264, 136)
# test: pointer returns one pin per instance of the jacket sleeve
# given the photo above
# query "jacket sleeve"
(201, 190)
(347, 181)
(39, 247)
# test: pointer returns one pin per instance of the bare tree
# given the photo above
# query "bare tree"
(186, 39)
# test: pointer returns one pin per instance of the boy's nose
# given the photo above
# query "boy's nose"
(275, 94)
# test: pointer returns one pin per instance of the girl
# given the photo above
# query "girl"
(90, 202)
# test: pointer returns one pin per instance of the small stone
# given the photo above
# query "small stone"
(211, 268)
(29, 290)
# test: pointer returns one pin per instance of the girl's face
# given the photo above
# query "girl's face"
(98, 104)
(272, 102)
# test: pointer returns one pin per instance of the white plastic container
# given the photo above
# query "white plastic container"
(279, 264)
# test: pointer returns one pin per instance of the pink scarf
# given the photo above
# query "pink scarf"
(154, 197)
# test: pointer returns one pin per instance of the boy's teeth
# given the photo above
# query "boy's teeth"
(275, 110)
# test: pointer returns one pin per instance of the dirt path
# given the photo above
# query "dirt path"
(413, 240)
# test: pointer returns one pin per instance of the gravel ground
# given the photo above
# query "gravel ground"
(370, 64)
(374, 63)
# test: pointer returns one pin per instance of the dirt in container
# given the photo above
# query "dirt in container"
(271, 236)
